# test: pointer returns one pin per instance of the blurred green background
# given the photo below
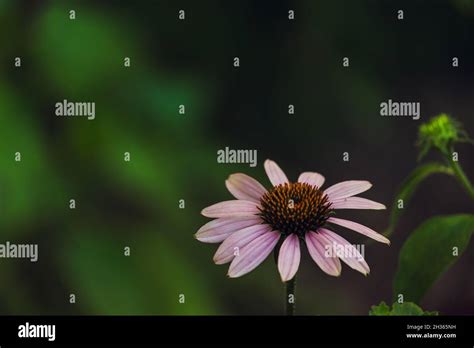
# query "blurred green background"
(173, 156)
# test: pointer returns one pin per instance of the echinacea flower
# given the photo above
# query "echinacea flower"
(289, 215)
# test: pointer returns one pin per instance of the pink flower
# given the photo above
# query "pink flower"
(288, 215)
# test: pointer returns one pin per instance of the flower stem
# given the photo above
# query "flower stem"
(290, 296)
(463, 179)
(460, 175)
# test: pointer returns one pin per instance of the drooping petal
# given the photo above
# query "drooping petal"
(350, 255)
(253, 254)
(236, 241)
(217, 230)
(289, 257)
(356, 203)
(347, 189)
(318, 247)
(274, 172)
(312, 178)
(359, 228)
(234, 208)
(245, 187)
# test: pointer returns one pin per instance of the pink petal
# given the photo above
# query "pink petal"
(359, 228)
(356, 203)
(245, 187)
(289, 257)
(274, 172)
(314, 179)
(351, 256)
(235, 208)
(217, 230)
(347, 189)
(317, 247)
(236, 241)
(253, 254)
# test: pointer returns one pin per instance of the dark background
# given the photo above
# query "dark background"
(190, 62)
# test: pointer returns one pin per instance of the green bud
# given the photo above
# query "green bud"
(441, 132)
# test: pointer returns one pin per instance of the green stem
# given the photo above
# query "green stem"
(459, 172)
(463, 179)
(290, 300)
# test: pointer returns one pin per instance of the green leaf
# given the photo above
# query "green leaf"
(381, 309)
(430, 250)
(149, 281)
(406, 308)
(79, 56)
(31, 190)
(410, 308)
(409, 186)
